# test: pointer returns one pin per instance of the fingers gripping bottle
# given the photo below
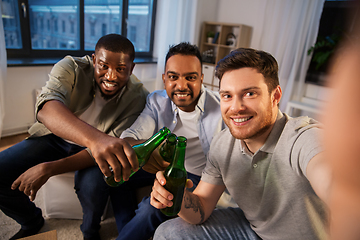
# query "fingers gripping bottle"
(167, 150)
(175, 176)
(143, 152)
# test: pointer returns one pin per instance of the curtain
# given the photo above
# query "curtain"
(174, 28)
(3, 66)
(288, 29)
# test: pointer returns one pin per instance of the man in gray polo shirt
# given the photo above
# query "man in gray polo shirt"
(271, 164)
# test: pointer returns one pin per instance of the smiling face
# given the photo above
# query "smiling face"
(112, 71)
(182, 80)
(247, 107)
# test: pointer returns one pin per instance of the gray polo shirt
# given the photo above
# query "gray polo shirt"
(271, 186)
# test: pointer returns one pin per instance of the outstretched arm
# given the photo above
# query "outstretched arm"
(319, 174)
(196, 207)
(31, 181)
(106, 150)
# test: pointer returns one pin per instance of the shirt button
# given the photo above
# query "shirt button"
(255, 165)
(174, 121)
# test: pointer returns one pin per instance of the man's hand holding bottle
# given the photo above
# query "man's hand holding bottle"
(160, 197)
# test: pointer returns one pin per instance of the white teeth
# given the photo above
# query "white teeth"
(107, 84)
(240, 120)
(181, 95)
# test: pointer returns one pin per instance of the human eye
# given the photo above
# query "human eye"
(191, 78)
(102, 65)
(225, 96)
(121, 69)
(172, 77)
(250, 94)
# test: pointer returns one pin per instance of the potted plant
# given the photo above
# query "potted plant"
(210, 36)
(323, 50)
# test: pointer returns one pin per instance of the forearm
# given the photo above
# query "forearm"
(192, 209)
(73, 163)
(198, 205)
(63, 123)
(133, 142)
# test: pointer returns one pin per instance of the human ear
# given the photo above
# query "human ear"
(93, 59)
(277, 94)
(163, 78)
(132, 67)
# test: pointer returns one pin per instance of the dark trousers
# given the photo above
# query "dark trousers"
(147, 218)
(93, 193)
(16, 160)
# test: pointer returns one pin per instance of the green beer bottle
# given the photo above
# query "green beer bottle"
(143, 152)
(175, 176)
(167, 150)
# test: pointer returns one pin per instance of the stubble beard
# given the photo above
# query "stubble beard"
(103, 95)
(261, 127)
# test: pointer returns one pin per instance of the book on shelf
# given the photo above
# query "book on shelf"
(215, 37)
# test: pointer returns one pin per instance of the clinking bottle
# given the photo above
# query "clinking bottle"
(143, 152)
(175, 176)
(167, 150)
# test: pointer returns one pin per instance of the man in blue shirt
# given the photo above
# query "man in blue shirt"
(188, 109)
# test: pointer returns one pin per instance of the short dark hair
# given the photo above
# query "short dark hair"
(116, 43)
(183, 48)
(262, 61)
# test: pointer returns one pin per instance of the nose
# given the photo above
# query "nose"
(110, 74)
(181, 83)
(237, 104)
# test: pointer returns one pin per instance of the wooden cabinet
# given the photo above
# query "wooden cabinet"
(226, 37)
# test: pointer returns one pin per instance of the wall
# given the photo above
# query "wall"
(244, 12)
(19, 90)
(207, 11)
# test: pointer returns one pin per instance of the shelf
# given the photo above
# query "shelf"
(226, 46)
(210, 44)
(238, 34)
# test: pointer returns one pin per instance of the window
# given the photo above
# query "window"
(55, 24)
(132, 34)
(103, 30)
(11, 21)
(72, 27)
(332, 28)
(42, 23)
(38, 28)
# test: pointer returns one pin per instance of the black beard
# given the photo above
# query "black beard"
(179, 91)
(103, 95)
